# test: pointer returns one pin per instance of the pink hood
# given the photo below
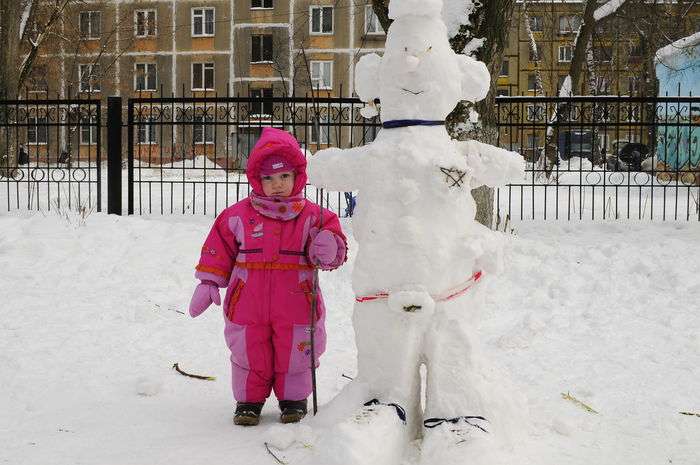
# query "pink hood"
(278, 142)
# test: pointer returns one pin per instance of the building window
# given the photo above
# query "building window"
(321, 19)
(38, 82)
(260, 4)
(203, 131)
(536, 24)
(602, 54)
(535, 51)
(560, 82)
(372, 25)
(202, 76)
(145, 23)
(565, 53)
(502, 92)
(261, 49)
(636, 50)
(321, 74)
(37, 131)
(569, 24)
(504, 69)
(533, 141)
(633, 85)
(203, 22)
(145, 76)
(263, 104)
(146, 131)
(90, 24)
(535, 112)
(602, 85)
(89, 78)
(88, 130)
(319, 127)
(532, 83)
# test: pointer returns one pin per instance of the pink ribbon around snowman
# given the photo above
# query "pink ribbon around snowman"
(449, 295)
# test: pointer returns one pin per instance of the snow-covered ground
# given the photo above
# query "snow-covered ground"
(94, 317)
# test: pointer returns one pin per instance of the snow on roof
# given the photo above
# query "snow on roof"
(667, 54)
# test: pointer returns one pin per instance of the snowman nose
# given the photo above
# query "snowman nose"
(412, 62)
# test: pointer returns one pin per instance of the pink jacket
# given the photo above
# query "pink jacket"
(263, 262)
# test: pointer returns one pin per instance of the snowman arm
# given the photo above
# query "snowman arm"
(338, 169)
(490, 165)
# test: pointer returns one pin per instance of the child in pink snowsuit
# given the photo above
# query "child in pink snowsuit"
(264, 249)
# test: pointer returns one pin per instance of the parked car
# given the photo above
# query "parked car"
(628, 156)
(581, 144)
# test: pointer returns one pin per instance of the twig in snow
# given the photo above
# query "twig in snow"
(277, 459)
(177, 368)
(346, 376)
(690, 414)
(573, 399)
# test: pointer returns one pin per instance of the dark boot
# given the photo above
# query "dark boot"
(292, 410)
(247, 413)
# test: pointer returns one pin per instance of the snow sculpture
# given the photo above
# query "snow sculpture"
(420, 250)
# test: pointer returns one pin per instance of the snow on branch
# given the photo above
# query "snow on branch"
(607, 9)
(25, 18)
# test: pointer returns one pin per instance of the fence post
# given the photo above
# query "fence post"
(114, 155)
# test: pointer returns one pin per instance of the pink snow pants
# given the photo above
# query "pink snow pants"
(267, 330)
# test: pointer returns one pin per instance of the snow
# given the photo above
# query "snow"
(607, 9)
(25, 17)
(455, 14)
(669, 52)
(89, 337)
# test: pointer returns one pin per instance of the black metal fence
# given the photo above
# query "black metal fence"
(602, 157)
(188, 154)
(587, 157)
(50, 154)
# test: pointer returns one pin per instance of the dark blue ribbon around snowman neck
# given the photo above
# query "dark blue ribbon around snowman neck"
(402, 123)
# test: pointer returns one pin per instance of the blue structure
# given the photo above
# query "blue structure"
(678, 71)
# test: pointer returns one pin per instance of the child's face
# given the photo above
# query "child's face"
(278, 184)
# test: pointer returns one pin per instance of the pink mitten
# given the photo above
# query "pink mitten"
(323, 248)
(205, 293)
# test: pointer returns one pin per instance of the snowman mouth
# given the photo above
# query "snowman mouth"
(411, 91)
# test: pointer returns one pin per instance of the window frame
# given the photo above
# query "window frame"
(570, 24)
(534, 81)
(323, 128)
(146, 12)
(91, 129)
(330, 73)
(262, 3)
(146, 65)
(505, 63)
(149, 130)
(39, 128)
(570, 54)
(261, 48)
(203, 16)
(263, 105)
(379, 30)
(203, 76)
(311, 21)
(94, 84)
(89, 35)
(200, 121)
(538, 20)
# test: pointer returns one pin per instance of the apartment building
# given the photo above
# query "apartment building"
(163, 48)
(621, 62)
(538, 57)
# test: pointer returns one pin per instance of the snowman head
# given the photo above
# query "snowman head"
(419, 76)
